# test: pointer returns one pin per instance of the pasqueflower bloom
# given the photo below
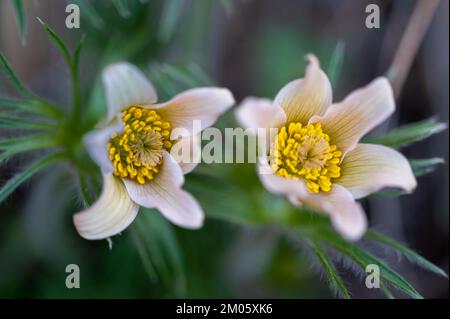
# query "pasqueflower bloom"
(133, 152)
(316, 158)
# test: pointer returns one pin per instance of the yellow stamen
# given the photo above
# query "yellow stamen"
(305, 152)
(137, 153)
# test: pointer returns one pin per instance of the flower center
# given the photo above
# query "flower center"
(305, 152)
(137, 153)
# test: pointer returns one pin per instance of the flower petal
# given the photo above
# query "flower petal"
(303, 98)
(187, 152)
(347, 216)
(110, 214)
(202, 104)
(164, 193)
(96, 143)
(257, 113)
(126, 85)
(369, 168)
(360, 112)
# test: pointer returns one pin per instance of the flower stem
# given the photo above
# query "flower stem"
(418, 24)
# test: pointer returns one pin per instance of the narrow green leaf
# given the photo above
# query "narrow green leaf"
(408, 253)
(171, 13)
(33, 106)
(76, 55)
(21, 19)
(336, 62)
(424, 166)
(408, 134)
(20, 178)
(363, 258)
(386, 291)
(7, 69)
(23, 124)
(122, 8)
(330, 270)
(58, 42)
(14, 146)
(23, 142)
(76, 79)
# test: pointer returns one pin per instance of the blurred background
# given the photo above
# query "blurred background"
(253, 47)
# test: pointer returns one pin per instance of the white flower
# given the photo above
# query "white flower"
(316, 158)
(133, 152)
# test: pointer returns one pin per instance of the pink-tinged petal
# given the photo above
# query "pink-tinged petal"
(262, 117)
(254, 113)
(96, 143)
(110, 214)
(369, 168)
(187, 152)
(126, 85)
(202, 106)
(347, 216)
(360, 112)
(164, 193)
(303, 98)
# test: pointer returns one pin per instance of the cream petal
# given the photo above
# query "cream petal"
(187, 152)
(347, 216)
(110, 214)
(254, 113)
(360, 112)
(303, 98)
(126, 85)
(204, 105)
(164, 193)
(96, 143)
(369, 168)
(263, 117)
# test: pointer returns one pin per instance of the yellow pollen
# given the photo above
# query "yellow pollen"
(137, 153)
(305, 152)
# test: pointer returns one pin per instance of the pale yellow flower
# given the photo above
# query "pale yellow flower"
(316, 158)
(133, 152)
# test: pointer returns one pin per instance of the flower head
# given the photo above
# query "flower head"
(316, 158)
(133, 152)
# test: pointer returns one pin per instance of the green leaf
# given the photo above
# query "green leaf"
(33, 106)
(336, 62)
(408, 253)
(171, 13)
(424, 166)
(58, 42)
(76, 107)
(333, 276)
(122, 8)
(363, 258)
(14, 146)
(23, 142)
(23, 124)
(408, 134)
(386, 291)
(21, 19)
(20, 178)
(6, 68)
